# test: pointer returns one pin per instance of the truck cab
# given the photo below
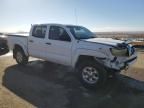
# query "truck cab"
(51, 42)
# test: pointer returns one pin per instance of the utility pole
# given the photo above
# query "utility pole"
(76, 17)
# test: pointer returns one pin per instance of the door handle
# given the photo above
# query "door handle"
(31, 41)
(48, 43)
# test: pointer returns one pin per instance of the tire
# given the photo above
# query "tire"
(20, 56)
(92, 75)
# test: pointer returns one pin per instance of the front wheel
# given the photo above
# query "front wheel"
(20, 57)
(92, 74)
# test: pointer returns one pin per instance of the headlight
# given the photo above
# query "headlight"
(119, 52)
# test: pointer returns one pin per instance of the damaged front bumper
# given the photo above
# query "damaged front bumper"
(128, 63)
(118, 64)
(124, 64)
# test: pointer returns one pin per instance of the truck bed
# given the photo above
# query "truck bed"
(19, 39)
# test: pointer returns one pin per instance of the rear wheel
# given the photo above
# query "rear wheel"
(92, 74)
(20, 56)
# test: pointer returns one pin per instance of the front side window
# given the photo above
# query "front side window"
(39, 31)
(58, 33)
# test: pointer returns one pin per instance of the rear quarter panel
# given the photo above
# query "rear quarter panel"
(17, 40)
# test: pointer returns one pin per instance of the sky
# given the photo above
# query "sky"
(97, 15)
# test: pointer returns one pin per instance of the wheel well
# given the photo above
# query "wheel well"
(83, 58)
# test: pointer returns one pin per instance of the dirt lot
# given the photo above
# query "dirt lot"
(46, 85)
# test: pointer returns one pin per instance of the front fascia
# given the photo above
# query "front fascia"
(103, 55)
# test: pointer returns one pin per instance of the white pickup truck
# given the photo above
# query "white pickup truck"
(93, 58)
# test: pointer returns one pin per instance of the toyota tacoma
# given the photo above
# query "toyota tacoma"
(93, 58)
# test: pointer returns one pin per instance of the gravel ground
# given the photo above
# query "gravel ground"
(47, 85)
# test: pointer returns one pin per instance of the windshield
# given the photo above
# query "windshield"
(81, 32)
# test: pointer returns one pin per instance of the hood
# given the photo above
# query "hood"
(105, 41)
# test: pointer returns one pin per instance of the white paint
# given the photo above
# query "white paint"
(67, 53)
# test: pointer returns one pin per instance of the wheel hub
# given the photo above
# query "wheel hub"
(90, 75)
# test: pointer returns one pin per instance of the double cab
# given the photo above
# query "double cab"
(93, 58)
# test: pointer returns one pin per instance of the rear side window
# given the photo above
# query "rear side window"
(39, 31)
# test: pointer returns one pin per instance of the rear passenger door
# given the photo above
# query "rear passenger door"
(59, 45)
(36, 42)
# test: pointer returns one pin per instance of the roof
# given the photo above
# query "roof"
(56, 24)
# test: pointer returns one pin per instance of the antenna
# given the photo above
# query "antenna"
(76, 18)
